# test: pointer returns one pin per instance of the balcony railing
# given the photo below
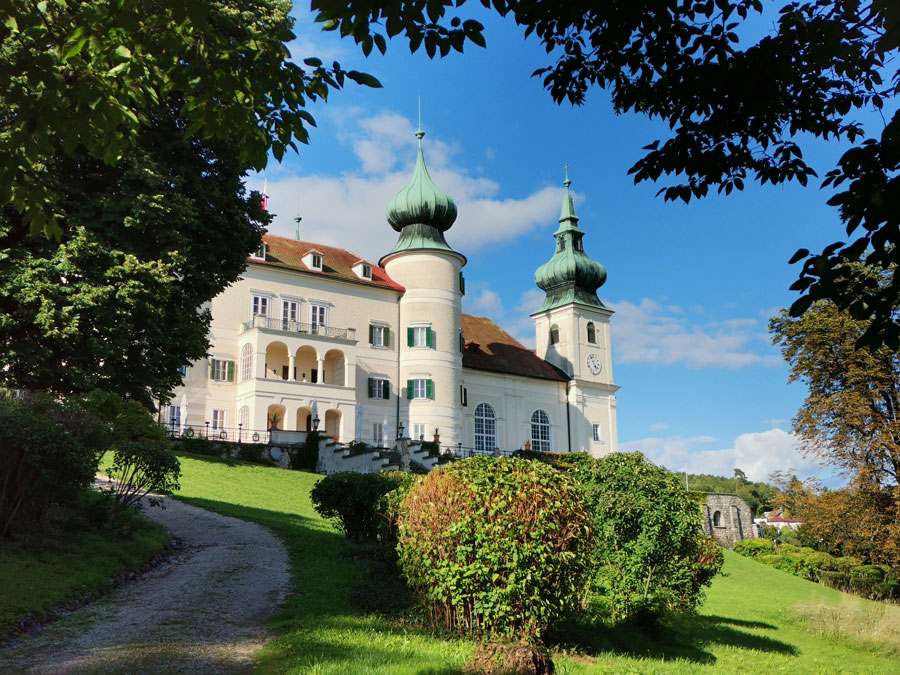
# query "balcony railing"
(297, 327)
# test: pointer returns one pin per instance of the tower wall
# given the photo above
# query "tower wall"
(432, 298)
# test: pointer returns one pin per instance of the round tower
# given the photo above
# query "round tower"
(430, 331)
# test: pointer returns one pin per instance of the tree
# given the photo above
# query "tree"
(739, 104)
(126, 129)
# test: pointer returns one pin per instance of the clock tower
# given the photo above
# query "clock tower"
(572, 333)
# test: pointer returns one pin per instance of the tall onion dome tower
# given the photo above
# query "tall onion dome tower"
(430, 339)
(572, 332)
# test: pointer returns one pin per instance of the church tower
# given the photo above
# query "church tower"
(572, 333)
(430, 326)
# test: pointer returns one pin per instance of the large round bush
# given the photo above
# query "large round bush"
(495, 547)
(651, 555)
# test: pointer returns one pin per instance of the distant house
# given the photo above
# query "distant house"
(780, 522)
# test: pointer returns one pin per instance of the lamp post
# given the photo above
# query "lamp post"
(315, 423)
(240, 424)
(207, 429)
(400, 431)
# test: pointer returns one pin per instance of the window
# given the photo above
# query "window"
(378, 434)
(246, 362)
(462, 284)
(260, 253)
(217, 420)
(221, 370)
(173, 417)
(316, 261)
(463, 396)
(591, 333)
(244, 417)
(420, 388)
(717, 519)
(182, 370)
(418, 431)
(560, 244)
(367, 271)
(554, 334)
(290, 311)
(485, 428)
(540, 431)
(379, 336)
(597, 433)
(259, 305)
(419, 336)
(379, 388)
(318, 316)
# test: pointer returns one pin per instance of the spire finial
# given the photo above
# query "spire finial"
(567, 182)
(297, 220)
(419, 132)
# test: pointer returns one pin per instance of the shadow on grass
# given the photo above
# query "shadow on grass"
(686, 637)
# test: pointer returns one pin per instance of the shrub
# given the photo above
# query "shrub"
(199, 446)
(754, 548)
(306, 457)
(253, 452)
(138, 468)
(47, 456)
(351, 500)
(649, 539)
(495, 547)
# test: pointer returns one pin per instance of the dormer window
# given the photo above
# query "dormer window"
(260, 253)
(363, 270)
(313, 260)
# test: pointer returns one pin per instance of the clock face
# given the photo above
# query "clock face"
(593, 364)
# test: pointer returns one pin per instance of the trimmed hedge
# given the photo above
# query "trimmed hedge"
(848, 574)
(354, 501)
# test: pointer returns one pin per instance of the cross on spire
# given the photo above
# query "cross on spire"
(567, 182)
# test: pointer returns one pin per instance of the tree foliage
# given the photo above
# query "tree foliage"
(650, 554)
(739, 103)
(758, 495)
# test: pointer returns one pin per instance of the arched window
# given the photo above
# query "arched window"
(592, 333)
(540, 431)
(244, 416)
(717, 519)
(485, 428)
(246, 362)
(554, 334)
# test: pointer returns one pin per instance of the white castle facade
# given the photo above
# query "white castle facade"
(312, 335)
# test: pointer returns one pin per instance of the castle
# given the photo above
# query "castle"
(313, 336)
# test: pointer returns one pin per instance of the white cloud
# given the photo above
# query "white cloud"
(658, 426)
(347, 210)
(758, 454)
(647, 332)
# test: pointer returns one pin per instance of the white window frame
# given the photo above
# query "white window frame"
(378, 434)
(378, 387)
(218, 419)
(367, 271)
(420, 335)
(420, 388)
(542, 440)
(596, 432)
(290, 310)
(220, 370)
(260, 305)
(173, 412)
(418, 430)
(246, 363)
(244, 417)
(260, 253)
(316, 258)
(485, 428)
(378, 331)
(317, 311)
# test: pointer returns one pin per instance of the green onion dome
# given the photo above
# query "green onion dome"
(421, 202)
(570, 275)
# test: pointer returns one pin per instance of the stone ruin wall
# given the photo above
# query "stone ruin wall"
(735, 519)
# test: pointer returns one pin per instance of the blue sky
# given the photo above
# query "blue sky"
(692, 285)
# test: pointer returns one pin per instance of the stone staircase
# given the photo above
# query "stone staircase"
(335, 457)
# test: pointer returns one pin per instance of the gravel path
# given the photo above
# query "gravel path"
(202, 611)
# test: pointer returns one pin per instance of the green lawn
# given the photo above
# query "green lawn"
(750, 623)
(69, 559)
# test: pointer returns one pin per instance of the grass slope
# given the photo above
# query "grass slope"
(748, 622)
(70, 559)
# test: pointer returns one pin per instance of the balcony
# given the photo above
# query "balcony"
(286, 326)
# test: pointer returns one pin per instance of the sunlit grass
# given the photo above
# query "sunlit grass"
(746, 626)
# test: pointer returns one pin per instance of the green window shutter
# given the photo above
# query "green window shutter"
(409, 389)
(385, 390)
(371, 388)
(429, 389)
(371, 334)
(462, 344)
(231, 371)
(212, 369)
(428, 337)
(386, 336)
(410, 337)
(462, 284)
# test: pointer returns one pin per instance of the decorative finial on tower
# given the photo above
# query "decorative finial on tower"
(419, 133)
(297, 220)
(567, 182)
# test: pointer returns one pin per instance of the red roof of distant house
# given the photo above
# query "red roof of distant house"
(489, 347)
(337, 263)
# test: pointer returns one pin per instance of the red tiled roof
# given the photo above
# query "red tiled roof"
(489, 347)
(781, 519)
(337, 263)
